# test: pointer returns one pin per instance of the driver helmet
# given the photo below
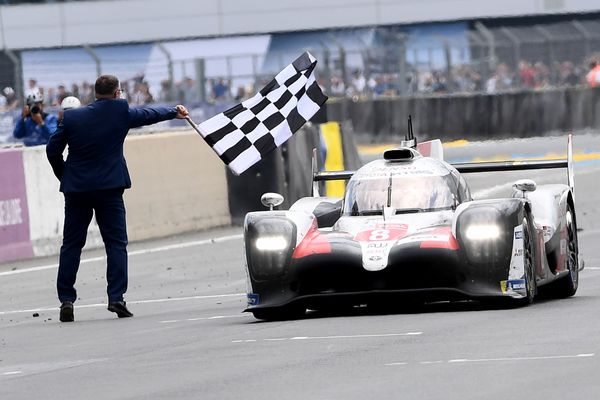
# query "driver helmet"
(34, 97)
(70, 102)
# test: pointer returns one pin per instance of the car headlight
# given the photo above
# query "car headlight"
(271, 243)
(484, 235)
(482, 232)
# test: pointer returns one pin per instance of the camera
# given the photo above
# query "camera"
(35, 109)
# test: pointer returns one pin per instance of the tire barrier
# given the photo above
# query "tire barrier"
(473, 116)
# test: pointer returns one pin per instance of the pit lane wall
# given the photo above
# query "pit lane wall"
(179, 185)
(473, 116)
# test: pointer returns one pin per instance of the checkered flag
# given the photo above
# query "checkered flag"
(244, 134)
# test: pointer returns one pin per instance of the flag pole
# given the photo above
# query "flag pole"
(193, 124)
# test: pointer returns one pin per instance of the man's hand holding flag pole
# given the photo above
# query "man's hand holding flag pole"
(244, 134)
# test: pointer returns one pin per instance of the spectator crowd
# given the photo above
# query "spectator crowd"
(136, 90)
(465, 79)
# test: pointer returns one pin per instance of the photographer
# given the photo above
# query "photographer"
(35, 126)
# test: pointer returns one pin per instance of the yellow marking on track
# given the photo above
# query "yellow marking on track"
(586, 156)
(456, 143)
(335, 157)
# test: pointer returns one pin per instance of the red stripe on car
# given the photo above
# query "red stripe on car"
(313, 243)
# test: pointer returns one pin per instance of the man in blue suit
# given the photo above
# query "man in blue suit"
(93, 179)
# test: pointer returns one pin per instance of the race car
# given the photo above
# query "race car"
(409, 229)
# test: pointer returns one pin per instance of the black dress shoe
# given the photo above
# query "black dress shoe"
(120, 308)
(66, 312)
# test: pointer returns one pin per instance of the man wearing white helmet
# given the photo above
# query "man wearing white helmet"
(35, 126)
(68, 103)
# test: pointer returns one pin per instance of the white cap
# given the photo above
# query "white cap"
(70, 102)
(34, 97)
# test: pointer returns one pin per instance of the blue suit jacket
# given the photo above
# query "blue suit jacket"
(95, 136)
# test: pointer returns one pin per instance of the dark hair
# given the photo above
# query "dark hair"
(106, 85)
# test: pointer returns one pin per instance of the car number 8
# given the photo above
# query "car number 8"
(380, 234)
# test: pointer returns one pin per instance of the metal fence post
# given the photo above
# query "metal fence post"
(548, 38)
(200, 69)
(17, 73)
(448, 58)
(491, 42)
(327, 71)
(402, 64)
(172, 89)
(95, 57)
(587, 36)
(517, 47)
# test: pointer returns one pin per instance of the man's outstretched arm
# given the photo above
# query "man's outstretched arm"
(151, 115)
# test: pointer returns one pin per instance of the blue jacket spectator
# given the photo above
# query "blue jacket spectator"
(35, 126)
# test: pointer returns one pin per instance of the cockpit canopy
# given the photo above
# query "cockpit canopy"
(406, 188)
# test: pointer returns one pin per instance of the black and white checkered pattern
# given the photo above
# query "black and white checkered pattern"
(244, 134)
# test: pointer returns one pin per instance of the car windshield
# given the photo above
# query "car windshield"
(406, 194)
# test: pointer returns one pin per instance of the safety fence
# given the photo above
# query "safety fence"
(473, 116)
(462, 57)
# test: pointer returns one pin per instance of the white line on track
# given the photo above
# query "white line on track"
(11, 373)
(149, 250)
(172, 321)
(329, 337)
(484, 360)
(168, 299)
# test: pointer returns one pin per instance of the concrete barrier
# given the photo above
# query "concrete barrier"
(15, 241)
(46, 205)
(179, 185)
(473, 116)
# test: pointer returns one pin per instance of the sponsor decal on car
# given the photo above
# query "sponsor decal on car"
(376, 243)
(382, 232)
(512, 285)
(518, 253)
(253, 299)
(517, 265)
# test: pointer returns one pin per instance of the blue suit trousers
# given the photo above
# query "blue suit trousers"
(110, 216)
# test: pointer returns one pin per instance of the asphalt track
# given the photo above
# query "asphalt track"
(189, 339)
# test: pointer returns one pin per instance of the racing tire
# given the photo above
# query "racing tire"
(279, 313)
(567, 285)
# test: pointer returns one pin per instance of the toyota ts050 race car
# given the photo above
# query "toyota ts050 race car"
(408, 226)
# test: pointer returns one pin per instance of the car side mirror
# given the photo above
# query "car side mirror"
(525, 185)
(271, 200)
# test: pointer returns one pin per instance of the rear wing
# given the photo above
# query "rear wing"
(493, 166)
(321, 176)
(521, 165)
